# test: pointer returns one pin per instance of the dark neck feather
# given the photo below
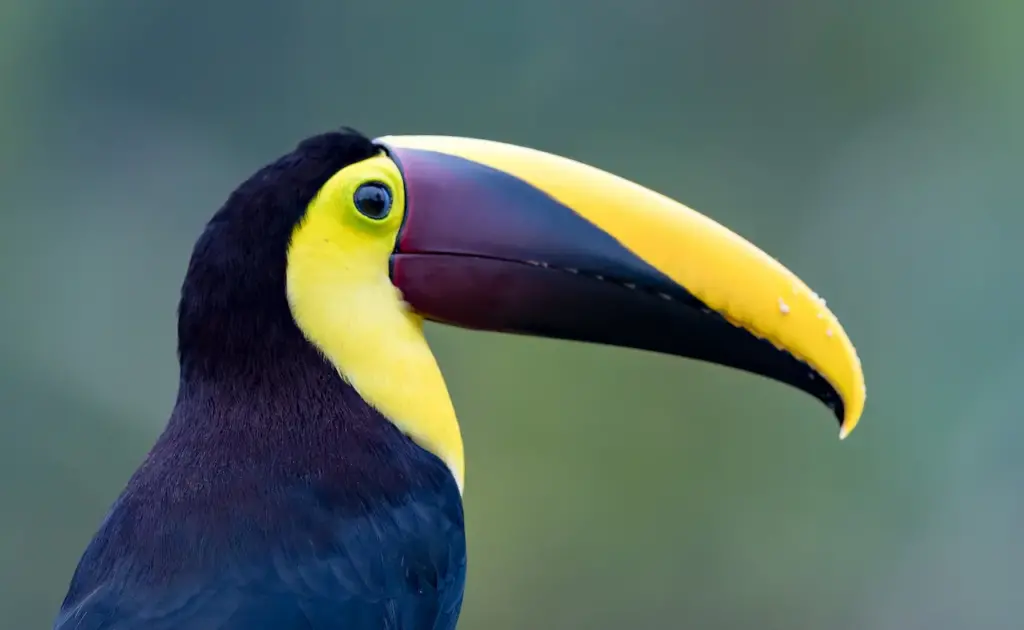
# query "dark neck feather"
(256, 398)
(265, 434)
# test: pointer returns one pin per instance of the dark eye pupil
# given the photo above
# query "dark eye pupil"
(373, 199)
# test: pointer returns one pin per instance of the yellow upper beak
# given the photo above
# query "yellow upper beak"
(494, 202)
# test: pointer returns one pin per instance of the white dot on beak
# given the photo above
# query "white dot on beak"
(828, 332)
(783, 307)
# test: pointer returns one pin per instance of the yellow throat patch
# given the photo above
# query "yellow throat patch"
(342, 299)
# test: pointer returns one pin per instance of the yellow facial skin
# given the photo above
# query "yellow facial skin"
(344, 302)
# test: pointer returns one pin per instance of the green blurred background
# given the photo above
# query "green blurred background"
(875, 147)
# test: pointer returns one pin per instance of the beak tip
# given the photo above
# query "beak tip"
(849, 423)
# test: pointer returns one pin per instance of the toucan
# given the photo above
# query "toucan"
(310, 475)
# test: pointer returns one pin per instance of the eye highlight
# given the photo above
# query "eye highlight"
(373, 200)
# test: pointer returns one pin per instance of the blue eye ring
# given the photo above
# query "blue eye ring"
(373, 200)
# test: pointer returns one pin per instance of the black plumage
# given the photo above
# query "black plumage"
(276, 497)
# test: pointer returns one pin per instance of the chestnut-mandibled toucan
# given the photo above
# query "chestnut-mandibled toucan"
(310, 475)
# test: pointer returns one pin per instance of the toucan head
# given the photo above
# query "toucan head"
(358, 241)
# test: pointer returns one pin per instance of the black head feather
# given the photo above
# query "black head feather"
(258, 403)
(233, 302)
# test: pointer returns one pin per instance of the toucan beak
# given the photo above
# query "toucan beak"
(503, 238)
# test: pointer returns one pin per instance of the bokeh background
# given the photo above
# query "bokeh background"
(875, 147)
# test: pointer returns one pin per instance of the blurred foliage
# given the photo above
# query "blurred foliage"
(875, 147)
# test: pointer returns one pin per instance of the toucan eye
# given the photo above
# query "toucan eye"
(373, 199)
